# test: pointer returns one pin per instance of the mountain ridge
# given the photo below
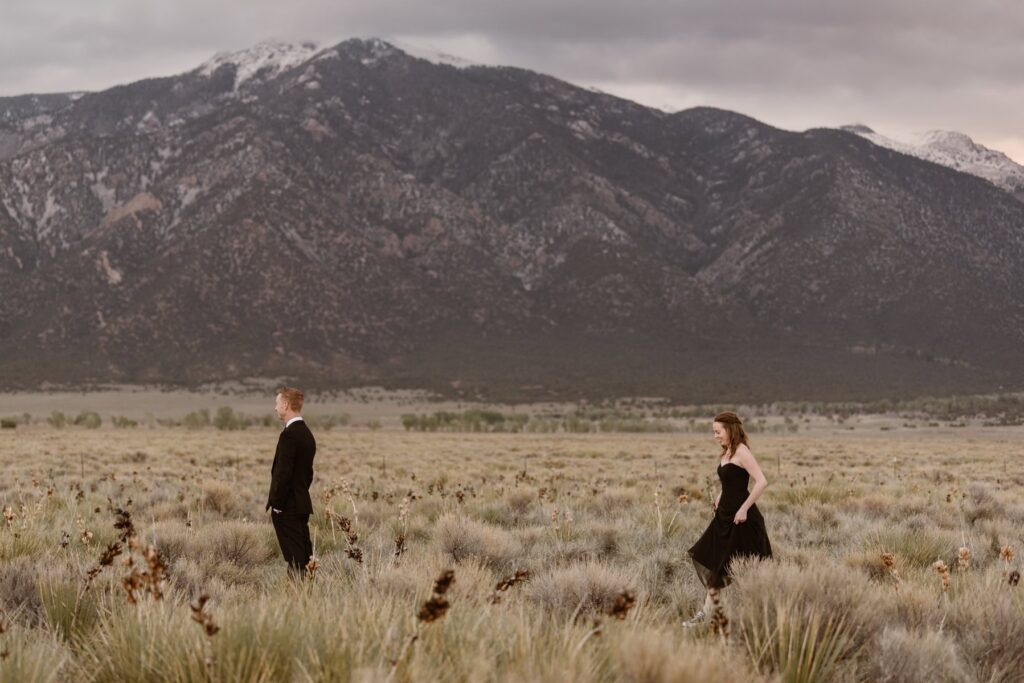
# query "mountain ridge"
(490, 229)
(957, 151)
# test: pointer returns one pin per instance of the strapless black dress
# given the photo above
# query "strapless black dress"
(724, 539)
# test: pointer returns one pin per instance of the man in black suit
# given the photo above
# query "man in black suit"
(289, 502)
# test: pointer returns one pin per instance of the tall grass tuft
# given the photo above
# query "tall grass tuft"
(30, 655)
(802, 642)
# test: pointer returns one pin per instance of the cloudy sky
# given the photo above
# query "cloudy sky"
(899, 67)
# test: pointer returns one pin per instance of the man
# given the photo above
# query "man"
(289, 503)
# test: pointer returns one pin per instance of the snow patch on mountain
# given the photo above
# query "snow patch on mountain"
(954, 150)
(270, 57)
(432, 55)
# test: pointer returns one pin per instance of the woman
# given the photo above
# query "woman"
(738, 527)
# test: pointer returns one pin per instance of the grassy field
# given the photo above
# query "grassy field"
(597, 526)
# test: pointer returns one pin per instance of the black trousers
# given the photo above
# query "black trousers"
(293, 537)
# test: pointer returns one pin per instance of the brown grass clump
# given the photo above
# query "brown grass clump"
(461, 538)
(657, 657)
(979, 504)
(989, 631)
(172, 538)
(18, 589)
(580, 588)
(834, 589)
(902, 656)
(238, 543)
(220, 497)
(520, 503)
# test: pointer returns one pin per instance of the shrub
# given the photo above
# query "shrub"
(18, 588)
(197, 419)
(460, 538)
(582, 587)
(88, 419)
(919, 548)
(902, 656)
(990, 630)
(327, 422)
(220, 497)
(57, 419)
(170, 537)
(239, 543)
(227, 419)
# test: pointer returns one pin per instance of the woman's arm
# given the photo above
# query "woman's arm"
(745, 459)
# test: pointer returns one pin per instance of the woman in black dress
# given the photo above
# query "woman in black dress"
(738, 527)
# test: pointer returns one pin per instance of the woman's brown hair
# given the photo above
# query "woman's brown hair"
(734, 425)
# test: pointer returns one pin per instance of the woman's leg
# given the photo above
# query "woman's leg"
(707, 611)
(710, 600)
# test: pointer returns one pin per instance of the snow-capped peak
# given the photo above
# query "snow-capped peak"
(955, 150)
(432, 55)
(271, 55)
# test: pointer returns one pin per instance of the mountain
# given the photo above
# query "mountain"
(20, 107)
(357, 215)
(955, 150)
(25, 112)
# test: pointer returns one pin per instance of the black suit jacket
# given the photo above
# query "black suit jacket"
(292, 472)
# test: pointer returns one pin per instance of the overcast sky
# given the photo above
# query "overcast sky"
(899, 66)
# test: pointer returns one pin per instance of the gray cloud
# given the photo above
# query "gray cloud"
(899, 67)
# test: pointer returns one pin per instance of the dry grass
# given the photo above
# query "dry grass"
(595, 527)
